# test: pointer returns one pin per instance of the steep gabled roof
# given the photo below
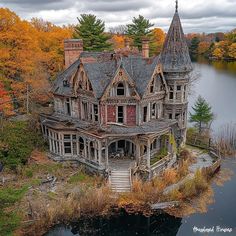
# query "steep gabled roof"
(101, 68)
(175, 54)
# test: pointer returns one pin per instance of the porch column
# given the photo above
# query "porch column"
(99, 152)
(138, 153)
(106, 155)
(148, 154)
(89, 150)
(85, 149)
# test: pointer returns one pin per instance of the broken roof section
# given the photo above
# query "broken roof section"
(101, 68)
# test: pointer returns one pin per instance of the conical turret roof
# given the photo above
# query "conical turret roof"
(175, 54)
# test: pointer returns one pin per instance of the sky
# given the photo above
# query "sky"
(197, 15)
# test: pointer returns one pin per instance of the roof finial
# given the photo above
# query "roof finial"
(176, 6)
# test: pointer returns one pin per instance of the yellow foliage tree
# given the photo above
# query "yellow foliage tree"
(232, 50)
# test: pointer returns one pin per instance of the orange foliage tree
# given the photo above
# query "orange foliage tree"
(157, 41)
(30, 53)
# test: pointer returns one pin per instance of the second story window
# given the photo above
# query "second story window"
(68, 107)
(120, 114)
(120, 89)
(95, 110)
(145, 114)
(171, 95)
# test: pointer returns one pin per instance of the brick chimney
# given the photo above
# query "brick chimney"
(72, 49)
(145, 47)
(127, 43)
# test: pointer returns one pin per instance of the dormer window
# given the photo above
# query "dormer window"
(65, 83)
(120, 89)
(152, 87)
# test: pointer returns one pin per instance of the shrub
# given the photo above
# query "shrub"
(19, 141)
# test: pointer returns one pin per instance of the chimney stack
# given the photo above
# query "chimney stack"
(145, 47)
(72, 49)
(127, 43)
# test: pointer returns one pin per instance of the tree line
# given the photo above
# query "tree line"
(215, 45)
(32, 52)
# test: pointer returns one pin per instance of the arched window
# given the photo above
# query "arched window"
(120, 89)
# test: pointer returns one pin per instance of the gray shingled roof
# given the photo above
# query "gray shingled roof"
(175, 54)
(101, 72)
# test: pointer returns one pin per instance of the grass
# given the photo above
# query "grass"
(78, 177)
(10, 219)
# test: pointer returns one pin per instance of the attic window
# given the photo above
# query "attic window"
(120, 73)
(120, 89)
(152, 87)
(65, 83)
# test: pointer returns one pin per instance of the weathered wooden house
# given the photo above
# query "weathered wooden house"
(112, 108)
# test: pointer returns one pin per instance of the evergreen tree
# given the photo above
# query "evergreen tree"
(202, 113)
(139, 28)
(193, 49)
(91, 30)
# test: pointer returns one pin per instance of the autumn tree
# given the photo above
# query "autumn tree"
(92, 31)
(157, 40)
(232, 50)
(139, 28)
(202, 115)
(118, 41)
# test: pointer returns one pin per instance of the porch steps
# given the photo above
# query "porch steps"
(120, 180)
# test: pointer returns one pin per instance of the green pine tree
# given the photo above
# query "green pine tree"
(91, 31)
(202, 114)
(139, 28)
(193, 49)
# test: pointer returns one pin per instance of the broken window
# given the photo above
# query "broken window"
(171, 95)
(145, 114)
(120, 117)
(152, 87)
(170, 116)
(95, 111)
(120, 89)
(154, 110)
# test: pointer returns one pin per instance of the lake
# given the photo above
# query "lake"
(217, 84)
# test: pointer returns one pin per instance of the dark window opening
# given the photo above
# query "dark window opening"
(152, 87)
(67, 147)
(171, 95)
(178, 88)
(81, 145)
(145, 114)
(154, 110)
(120, 117)
(170, 116)
(95, 110)
(120, 89)
(68, 108)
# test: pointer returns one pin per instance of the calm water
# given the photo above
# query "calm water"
(217, 84)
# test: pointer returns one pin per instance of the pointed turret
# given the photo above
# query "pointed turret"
(175, 54)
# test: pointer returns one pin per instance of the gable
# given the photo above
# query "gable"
(122, 85)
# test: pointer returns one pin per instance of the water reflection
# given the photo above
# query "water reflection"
(122, 225)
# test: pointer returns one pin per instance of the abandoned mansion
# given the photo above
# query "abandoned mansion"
(121, 105)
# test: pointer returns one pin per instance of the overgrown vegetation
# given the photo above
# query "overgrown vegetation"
(17, 141)
(10, 219)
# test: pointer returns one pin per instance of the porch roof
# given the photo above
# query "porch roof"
(152, 127)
